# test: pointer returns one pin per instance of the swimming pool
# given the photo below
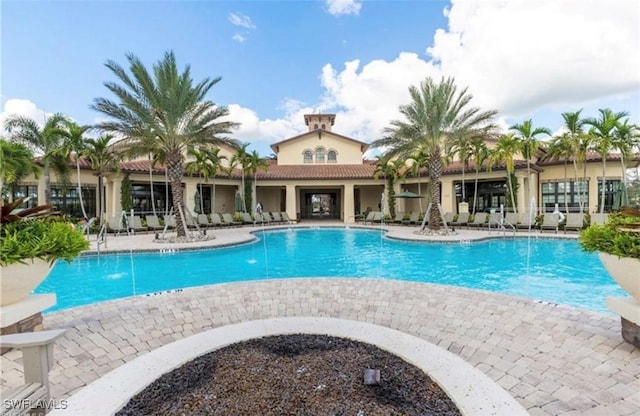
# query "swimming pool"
(556, 271)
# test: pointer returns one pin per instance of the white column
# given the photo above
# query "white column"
(112, 204)
(349, 205)
(291, 204)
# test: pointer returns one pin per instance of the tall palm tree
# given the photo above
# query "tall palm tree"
(527, 137)
(166, 111)
(205, 163)
(103, 158)
(16, 162)
(479, 154)
(46, 141)
(391, 170)
(438, 113)
(579, 144)
(242, 158)
(560, 149)
(602, 132)
(625, 140)
(256, 163)
(419, 159)
(462, 148)
(75, 143)
(505, 151)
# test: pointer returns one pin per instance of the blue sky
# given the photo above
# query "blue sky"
(281, 59)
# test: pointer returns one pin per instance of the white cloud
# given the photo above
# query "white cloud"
(239, 38)
(21, 107)
(521, 55)
(339, 7)
(239, 19)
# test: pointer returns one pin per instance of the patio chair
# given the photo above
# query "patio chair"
(203, 221)
(575, 221)
(526, 221)
(494, 220)
(188, 219)
(448, 217)
(377, 217)
(511, 218)
(479, 220)
(170, 221)
(114, 225)
(216, 221)
(413, 219)
(462, 221)
(135, 224)
(550, 222)
(285, 217)
(246, 218)
(368, 217)
(228, 219)
(277, 218)
(398, 218)
(153, 223)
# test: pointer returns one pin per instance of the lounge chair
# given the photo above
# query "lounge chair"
(574, 222)
(153, 223)
(413, 219)
(462, 221)
(285, 217)
(228, 219)
(135, 224)
(277, 218)
(377, 217)
(526, 222)
(246, 218)
(511, 218)
(550, 222)
(216, 221)
(114, 225)
(170, 221)
(203, 221)
(397, 219)
(189, 221)
(494, 220)
(448, 217)
(598, 218)
(479, 220)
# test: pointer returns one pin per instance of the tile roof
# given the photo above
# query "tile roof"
(591, 157)
(327, 171)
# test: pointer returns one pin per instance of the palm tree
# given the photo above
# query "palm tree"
(602, 132)
(390, 169)
(437, 114)
(461, 147)
(579, 144)
(526, 135)
(419, 159)
(103, 158)
(46, 141)
(206, 163)
(479, 154)
(256, 163)
(166, 112)
(505, 150)
(242, 158)
(75, 143)
(625, 140)
(16, 162)
(560, 149)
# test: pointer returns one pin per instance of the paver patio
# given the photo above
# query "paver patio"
(553, 359)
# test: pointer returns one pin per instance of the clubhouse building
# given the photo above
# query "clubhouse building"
(321, 174)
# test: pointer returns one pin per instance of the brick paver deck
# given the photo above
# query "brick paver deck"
(553, 359)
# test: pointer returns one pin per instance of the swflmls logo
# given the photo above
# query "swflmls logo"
(19, 405)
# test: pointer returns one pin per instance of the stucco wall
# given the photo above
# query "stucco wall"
(291, 152)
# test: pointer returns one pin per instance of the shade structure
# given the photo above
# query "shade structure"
(407, 194)
(620, 198)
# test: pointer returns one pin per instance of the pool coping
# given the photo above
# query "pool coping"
(473, 392)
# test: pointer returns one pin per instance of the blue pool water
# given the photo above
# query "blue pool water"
(558, 270)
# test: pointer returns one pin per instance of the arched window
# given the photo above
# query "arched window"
(315, 127)
(320, 155)
(308, 156)
(324, 126)
(332, 156)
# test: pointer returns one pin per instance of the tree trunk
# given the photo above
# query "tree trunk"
(510, 185)
(152, 194)
(175, 172)
(604, 183)
(47, 184)
(566, 200)
(201, 197)
(435, 171)
(84, 213)
(475, 190)
(575, 184)
(100, 202)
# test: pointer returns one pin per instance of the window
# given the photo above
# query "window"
(315, 127)
(332, 156)
(308, 156)
(68, 201)
(320, 155)
(609, 193)
(324, 126)
(554, 193)
(141, 197)
(22, 191)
